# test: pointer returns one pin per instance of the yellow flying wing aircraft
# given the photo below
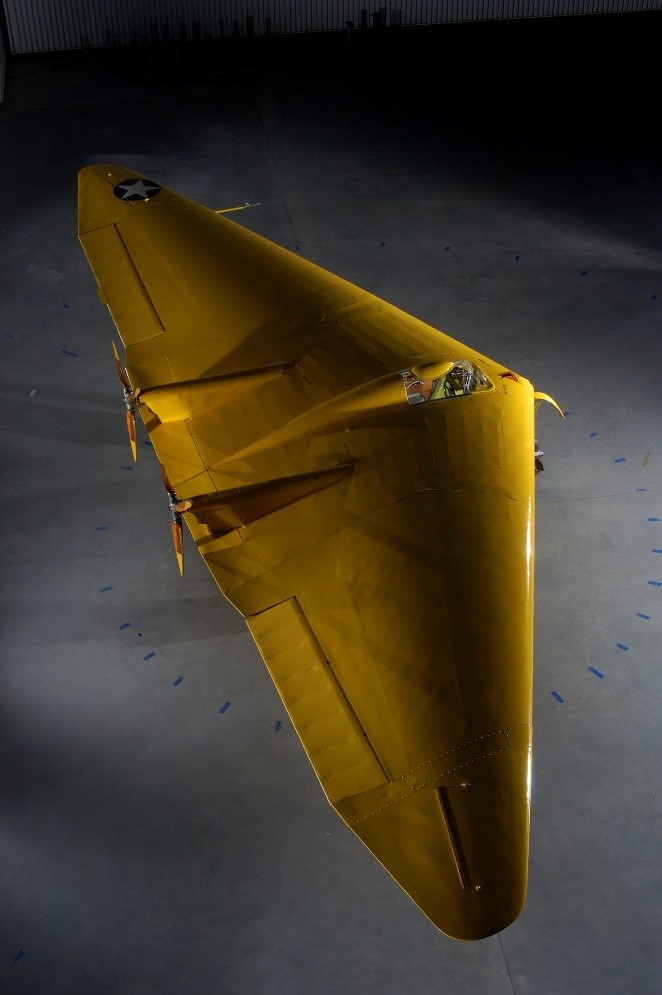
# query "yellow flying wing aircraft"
(361, 487)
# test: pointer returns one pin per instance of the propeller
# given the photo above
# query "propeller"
(130, 398)
(176, 509)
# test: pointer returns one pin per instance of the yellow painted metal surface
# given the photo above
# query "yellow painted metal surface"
(378, 543)
(334, 740)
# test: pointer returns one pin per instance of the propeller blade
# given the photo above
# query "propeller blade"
(168, 486)
(130, 397)
(120, 369)
(177, 538)
(131, 428)
(177, 508)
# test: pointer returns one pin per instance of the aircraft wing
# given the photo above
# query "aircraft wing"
(361, 487)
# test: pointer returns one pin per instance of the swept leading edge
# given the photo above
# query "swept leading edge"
(361, 487)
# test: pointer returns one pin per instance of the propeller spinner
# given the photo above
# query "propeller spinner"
(130, 399)
(176, 509)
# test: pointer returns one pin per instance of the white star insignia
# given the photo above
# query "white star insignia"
(136, 189)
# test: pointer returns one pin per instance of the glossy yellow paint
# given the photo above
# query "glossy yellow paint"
(381, 551)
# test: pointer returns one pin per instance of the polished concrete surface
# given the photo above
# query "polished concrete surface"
(151, 843)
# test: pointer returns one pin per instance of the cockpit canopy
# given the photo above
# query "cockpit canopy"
(462, 378)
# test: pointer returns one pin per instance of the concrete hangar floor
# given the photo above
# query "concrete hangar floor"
(153, 842)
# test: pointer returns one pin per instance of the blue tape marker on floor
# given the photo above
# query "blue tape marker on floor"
(623, 647)
(653, 519)
(656, 550)
(278, 726)
(621, 459)
(66, 307)
(641, 615)
(382, 244)
(640, 490)
(102, 589)
(177, 682)
(583, 272)
(125, 625)
(9, 335)
(146, 442)
(592, 435)
(18, 955)
(448, 248)
(517, 259)
(596, 672)
(101, 528)
(68, 352)
(566, 414)
(556, 695)
(127, 468)
(653, 296)
(224, 707)
(149, 656)
(655, 583)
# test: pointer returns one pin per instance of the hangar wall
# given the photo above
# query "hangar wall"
(63, 25)
(4, 48)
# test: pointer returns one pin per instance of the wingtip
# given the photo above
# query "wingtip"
(461, 852)
(100, 200)
(95, 198)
